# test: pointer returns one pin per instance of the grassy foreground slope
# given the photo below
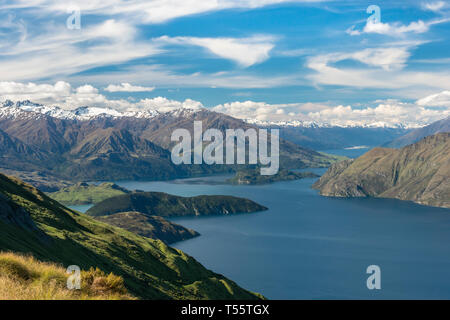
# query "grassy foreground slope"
(419, 172)
(25, 278)
(31, 222)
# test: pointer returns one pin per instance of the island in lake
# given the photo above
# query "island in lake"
(167, 205)
(252, 177)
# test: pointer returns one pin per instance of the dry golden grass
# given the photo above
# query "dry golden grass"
(25, 278)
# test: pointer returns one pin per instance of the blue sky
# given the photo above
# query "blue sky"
(267, 59)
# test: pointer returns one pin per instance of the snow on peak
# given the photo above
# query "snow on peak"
(315, 124)
(29, 109)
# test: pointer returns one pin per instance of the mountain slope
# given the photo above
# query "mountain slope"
(167, 205)
(116, 154)
(419, 172)
(16, 154)
(150, 269)
(415, 135)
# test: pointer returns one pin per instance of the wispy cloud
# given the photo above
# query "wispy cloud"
(126, 87)
(392, 29)
(388, 64)
(441, 99)
(245, 51)
(146, 11)
(436, 6)
(62, 53)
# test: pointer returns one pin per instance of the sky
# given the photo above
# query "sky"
(270, 60)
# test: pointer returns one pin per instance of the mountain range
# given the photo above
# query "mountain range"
(98, 144)
(333, 137)
(418, 172)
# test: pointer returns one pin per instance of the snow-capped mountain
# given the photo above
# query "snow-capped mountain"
(347, 124)
(28, 109)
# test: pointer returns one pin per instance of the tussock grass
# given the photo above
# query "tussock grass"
(25, 278)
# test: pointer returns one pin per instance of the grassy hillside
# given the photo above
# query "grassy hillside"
(32, 223)
(149, 226)
(83, 193)
(419, 172)
(167, 205)
(26, 278)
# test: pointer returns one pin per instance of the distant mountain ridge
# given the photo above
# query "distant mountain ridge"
(317, 124)
(419, 172)
(415, 135)
(336, 137)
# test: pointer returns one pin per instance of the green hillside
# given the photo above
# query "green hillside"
(32, 223)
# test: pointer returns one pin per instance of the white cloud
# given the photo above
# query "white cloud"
(58, 52)
(388, 112)
(126, 87)
(244, 51)
(147, 11)
(268, 112)
(61, 93)
(395, 28)
(64, 95)
(386, 58)
(437, 100)
(384, 114)
(33, 91)
(388, 73)
(434, 6)
(162, 104)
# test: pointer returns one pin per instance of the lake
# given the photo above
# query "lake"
(311, 247)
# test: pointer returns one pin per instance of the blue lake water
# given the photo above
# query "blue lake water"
(311, 247)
